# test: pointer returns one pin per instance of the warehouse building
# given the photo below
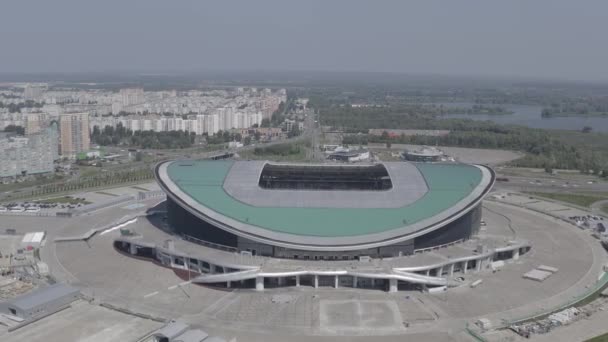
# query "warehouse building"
(40, 302)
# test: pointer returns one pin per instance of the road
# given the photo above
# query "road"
(550, 185)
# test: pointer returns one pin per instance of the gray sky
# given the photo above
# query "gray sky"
(556, 39)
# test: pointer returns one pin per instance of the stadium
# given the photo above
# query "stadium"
(324, 211)
(258, 224)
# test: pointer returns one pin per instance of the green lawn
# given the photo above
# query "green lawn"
(297, 157)
(18, 186)
(601, 338)
(583, 200)
(64, 200)
(278, 153)
(605, 209)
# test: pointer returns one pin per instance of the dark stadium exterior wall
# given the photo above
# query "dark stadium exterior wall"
(463, 228)
(183, 222)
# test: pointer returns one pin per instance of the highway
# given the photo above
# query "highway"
(550, 185)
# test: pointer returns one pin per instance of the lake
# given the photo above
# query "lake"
(530, 116)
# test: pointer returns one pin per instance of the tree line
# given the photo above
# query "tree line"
(16, 129)
(16, 107)
(120, 135)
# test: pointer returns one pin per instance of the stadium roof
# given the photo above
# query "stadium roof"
(451, 189)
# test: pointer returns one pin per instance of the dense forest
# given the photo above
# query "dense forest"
(594, 106)
(479, 109)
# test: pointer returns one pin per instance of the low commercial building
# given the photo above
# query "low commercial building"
(40, 302)
(424, 154)
(32, 240)
(350, 156)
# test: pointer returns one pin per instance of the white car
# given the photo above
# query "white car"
(17, 209)
(3, 210)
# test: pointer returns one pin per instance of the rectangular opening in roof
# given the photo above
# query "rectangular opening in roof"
(325, 177)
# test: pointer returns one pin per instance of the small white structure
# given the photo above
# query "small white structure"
(476, 283)
(547, 268)
(565, 316)
(235, 144)
(169, 331)
(484, 323)
(437, 289)
(180, 332)
(496, 265)
(537, 275)
(32, 240)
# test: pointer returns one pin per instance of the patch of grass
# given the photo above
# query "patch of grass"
(279, 152)
(601, 338)
(65, 200)
(35, 182)
(582, 200)
(605, 209)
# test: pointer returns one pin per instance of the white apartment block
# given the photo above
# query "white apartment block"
(27, 155)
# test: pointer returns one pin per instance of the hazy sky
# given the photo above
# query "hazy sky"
(563, 39)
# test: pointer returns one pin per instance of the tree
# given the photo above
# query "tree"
(247, 141)
(388, 145)
(295, 131)
(13, 128)
(546, 113)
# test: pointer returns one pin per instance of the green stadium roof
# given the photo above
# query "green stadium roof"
(448, 184)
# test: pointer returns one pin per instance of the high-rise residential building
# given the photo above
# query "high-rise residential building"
(34, 92)
(34, 122)
(74, 134)
(132, 96)
(28, 155)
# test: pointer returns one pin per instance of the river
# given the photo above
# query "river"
(530, 116)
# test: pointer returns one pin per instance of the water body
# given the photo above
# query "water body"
(530, 116)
